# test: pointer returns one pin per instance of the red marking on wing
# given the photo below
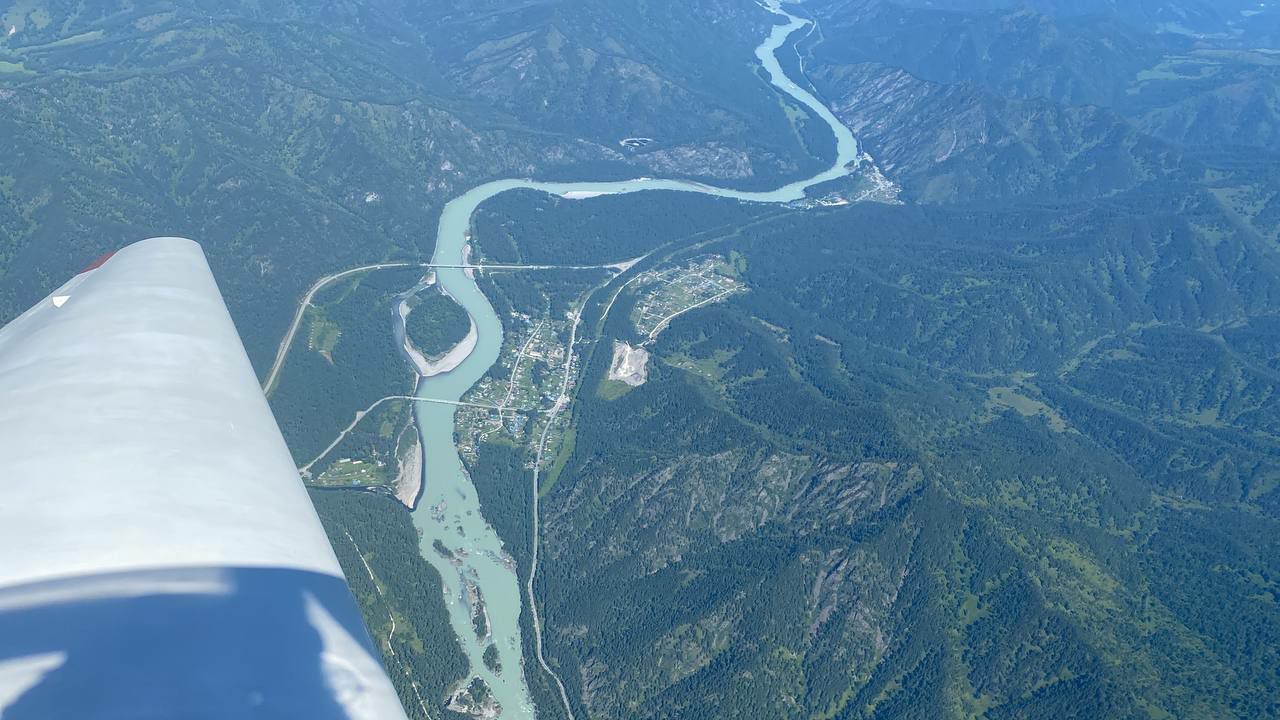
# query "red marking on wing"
(98, 263)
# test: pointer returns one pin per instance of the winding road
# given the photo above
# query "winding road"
(282, 352)
(515, 367)
(562, 401)
(391, 634)
(305, 470)
(445, 479)
(273, 376)
(664, 322)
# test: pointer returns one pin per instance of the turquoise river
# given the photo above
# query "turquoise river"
(448, 509)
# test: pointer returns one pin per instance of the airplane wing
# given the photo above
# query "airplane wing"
(159, 556)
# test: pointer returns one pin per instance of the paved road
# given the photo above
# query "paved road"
(562, 402)
(515, 368)
(305, 470)
(283, 351)
(664, 322)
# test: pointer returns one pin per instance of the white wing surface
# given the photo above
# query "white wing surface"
(159, 557)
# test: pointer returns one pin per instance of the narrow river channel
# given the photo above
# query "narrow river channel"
(448, 510)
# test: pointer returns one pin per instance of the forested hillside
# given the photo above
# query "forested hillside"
(1007, 451)
(1003, 445)
(296, 139)
(1016, 99)
(957, 463)
(343, 359)
(398, 593)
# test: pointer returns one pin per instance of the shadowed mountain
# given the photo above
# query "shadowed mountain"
(1205, 89)
(956, 143)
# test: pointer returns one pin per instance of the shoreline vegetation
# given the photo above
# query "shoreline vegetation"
(431, 366)
(449, 491)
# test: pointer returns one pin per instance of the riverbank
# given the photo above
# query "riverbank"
(428, 367)
(408, 485)
(449, 511)
(450, 360)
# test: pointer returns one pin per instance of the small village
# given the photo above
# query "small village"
(518, 395)
(669, 292)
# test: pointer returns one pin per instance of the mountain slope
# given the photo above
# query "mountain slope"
(960, 143)
(1203, 89)
(295, 139)
(913, 473)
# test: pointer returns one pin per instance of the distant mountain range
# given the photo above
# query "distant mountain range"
(998, 102)
(296, 138)
(1005, 445)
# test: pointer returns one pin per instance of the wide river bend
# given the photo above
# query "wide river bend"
(448, 509)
